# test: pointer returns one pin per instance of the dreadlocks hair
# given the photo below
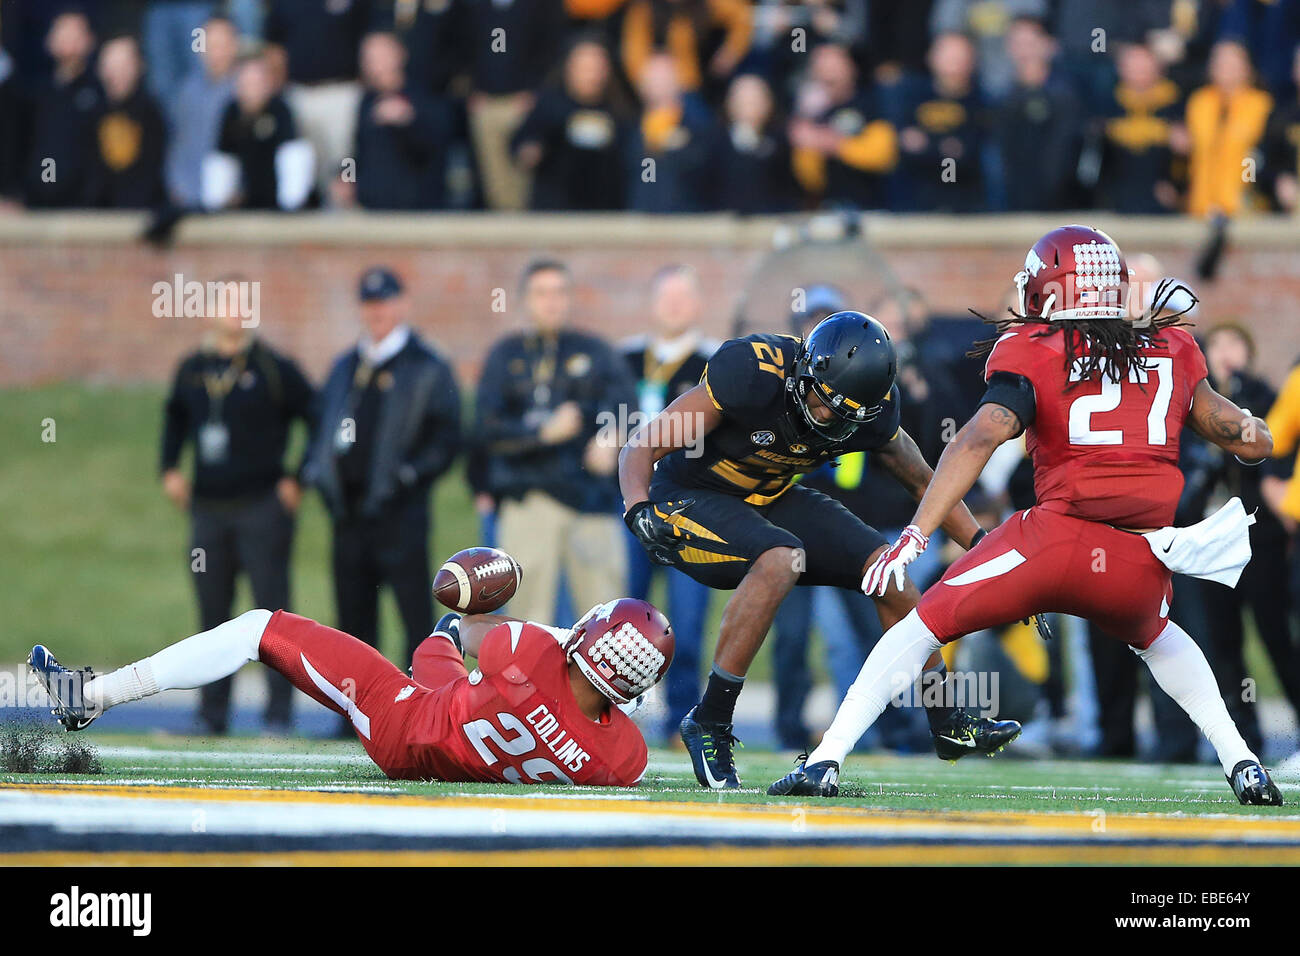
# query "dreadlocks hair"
(1099, 348)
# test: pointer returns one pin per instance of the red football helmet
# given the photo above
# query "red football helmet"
(1074, 272)
(623, 647)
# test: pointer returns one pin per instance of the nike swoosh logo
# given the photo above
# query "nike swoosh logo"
(485, 595)
(714, 782)
(1168, 547)
(959, 743)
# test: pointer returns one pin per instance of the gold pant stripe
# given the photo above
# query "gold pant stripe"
(757, 499)
(699, 556)
(694, 527)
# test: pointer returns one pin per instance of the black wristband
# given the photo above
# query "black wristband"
(975, 538)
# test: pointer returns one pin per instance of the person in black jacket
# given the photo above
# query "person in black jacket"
(1230, 355)
(62, 147)
(402, 134)
(1144, 116)
(510, 45)
(573, 138)
(1281, 148)
(1037, 127)
(942, 132)
(550, 403)
(255, 125)
(130, 133)
(13, 131)
(389, 428)
(432, 32)
(234, 401)
(750, 155)
(668, 150)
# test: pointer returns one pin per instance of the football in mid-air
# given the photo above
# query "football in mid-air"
(477, 580)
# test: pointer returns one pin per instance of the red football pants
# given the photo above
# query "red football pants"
(352, 678)
(1039, 561)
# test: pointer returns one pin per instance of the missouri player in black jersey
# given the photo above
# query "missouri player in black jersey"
(709, 487)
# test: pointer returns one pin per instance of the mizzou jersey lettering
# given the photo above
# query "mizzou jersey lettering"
(763, 444)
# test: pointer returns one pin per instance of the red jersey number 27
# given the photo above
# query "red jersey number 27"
(1113, 394)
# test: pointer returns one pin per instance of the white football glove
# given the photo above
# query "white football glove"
(894, 561)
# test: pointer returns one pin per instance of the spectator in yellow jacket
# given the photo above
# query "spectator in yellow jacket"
(1225, 122)
(843, 148)
(1284, 422)
(682, 29)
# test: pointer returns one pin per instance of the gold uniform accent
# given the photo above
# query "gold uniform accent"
(692, 527)
(119, 140)
(697, 556)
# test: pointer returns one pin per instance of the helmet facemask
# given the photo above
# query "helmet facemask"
(848, 414)
(615, 656)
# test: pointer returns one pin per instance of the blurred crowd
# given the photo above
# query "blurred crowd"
(545, 422)
(756, 106)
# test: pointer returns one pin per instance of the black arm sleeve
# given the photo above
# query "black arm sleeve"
(1014, 392)
(175, 424)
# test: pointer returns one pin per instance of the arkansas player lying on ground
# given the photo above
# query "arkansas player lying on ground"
(543, 705)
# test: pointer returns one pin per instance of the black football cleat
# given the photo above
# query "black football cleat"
(962, 735)
(822, 779)
(1253, 786)
(64, 687)
(449, 627)
(710, 748)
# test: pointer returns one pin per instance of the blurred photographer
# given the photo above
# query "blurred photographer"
(1230, 355)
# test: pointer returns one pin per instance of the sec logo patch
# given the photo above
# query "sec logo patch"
(762, 438)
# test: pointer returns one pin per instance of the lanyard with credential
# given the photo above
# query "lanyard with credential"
(214, 435)
(345, 435)
(544, 370)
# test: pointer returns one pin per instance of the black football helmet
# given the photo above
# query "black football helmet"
(850, 362)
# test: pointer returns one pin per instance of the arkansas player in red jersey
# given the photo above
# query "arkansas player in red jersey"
(544, 705)
(1103, 399)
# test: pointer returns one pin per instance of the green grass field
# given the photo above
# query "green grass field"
(200, 801)
(884, 782)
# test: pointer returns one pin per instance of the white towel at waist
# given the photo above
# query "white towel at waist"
(1216, 549)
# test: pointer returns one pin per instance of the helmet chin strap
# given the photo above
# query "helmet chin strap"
(817, 426)
(1022, 280)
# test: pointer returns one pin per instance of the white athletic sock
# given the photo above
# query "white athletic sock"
(193, 662)
(1182, 672)
(894, 663)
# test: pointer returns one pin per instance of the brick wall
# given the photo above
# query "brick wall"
(76, 293)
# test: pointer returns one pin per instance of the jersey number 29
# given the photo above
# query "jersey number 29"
(520, 744)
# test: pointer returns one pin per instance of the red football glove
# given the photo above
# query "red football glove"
(909, 546)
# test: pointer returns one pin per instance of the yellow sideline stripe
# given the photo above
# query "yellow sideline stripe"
(896, 855)
(1224, 827)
